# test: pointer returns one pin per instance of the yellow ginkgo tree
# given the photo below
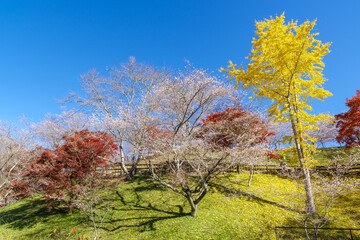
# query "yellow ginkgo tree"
(285, 67)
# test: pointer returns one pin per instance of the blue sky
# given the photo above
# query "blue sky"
(46, 45)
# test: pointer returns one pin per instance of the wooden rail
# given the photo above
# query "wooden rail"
(269, 169)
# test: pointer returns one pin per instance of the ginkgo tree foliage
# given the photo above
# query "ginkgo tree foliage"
(349, 123)
(285, 67)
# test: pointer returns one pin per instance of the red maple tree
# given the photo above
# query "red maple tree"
(158, 137)
(66, 172)
(226, 125)
(349, 123)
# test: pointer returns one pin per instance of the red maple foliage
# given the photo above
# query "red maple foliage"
(227, 125)
(272, 155)
(349, 123)
(158, 132)
(158, 137)
(66, 172)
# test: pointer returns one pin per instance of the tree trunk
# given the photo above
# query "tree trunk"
(251, 174)
(193, 210)
(192, 204)
(70, 205)
(308, 189)
(122, 158)
(134, 165)
(191, 200)
(310, 204)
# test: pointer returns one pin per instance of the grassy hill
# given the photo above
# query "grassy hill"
(323, 156)
(142, 209)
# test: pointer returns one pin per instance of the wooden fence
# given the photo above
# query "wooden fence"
(262, 169)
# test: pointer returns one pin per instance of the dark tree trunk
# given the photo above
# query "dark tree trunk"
(70, 206)
(193, 210)
(193, 205)
(133, 167)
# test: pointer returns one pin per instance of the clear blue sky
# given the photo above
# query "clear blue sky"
(46, 45)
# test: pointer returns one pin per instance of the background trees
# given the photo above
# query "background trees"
(286, 67)
(227, 124)
(16, 150)
(325, 133)
(349, 123)
(50, 132)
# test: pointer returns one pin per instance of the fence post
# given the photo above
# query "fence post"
(351, 235)
(276, 233)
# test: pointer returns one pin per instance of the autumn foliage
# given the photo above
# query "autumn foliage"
(158, 136)
(349, 123)
(66, 172)
(232, 122)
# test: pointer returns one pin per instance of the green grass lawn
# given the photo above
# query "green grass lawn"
(322, 156)
(142, 209)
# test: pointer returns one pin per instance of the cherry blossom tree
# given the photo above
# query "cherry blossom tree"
(16, 150)
(50, 131)
(176, 139)
(118, 101)
(325, 133)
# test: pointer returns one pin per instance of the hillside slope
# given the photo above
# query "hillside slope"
(141, 209)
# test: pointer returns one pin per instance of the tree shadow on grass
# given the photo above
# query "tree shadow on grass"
(150, 184)
(149, 214)
(33, 213)
(141, 212)
(349, 206)
(26, 215)
(143, 223)
(251, 197)
(346, 206)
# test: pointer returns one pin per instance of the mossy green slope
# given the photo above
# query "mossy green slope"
(142, 209)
